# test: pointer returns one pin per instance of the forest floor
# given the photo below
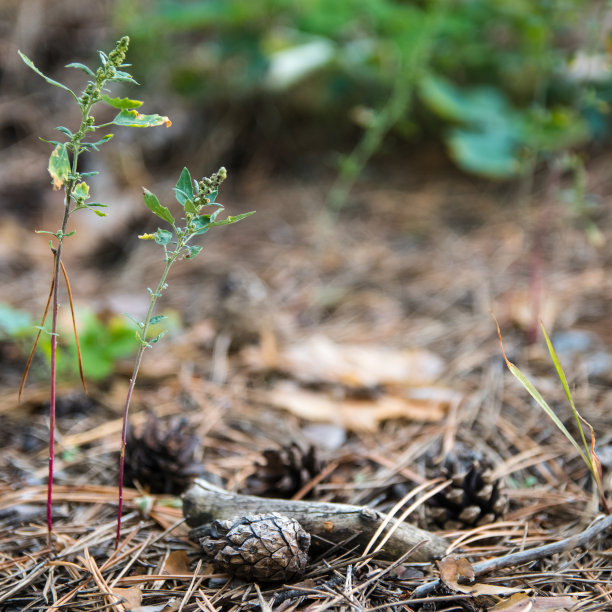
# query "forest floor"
(349, 359)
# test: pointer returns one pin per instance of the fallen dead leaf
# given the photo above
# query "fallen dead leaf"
(177, 563)
(320, 360)
(457, 574)
(130, 598)
(521, 602)
(354, 415)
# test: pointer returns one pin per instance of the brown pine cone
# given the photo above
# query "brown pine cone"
(285, 471)
(473, 498)
(163, 458)
(260, 547)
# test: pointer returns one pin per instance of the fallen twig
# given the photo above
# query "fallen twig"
(331, 523)
(532, 554)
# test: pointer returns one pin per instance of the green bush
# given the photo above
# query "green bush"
(489, 78)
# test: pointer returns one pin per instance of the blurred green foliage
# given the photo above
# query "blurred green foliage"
(104, 339)
(491, 79)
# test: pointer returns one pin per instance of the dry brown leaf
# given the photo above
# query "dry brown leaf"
(177, 563)
(354, 415)
(319, 359)
(131, 598)
(517, 602)
(457, 574)
(521, 602)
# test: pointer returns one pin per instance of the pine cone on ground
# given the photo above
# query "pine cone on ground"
(472, 498)
(162, 459)
(260, 547)
(285, 471)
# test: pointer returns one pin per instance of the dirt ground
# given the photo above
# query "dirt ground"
(349, 358)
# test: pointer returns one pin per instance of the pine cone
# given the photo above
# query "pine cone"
(473, 498)
(285, 471)
(162, 461)
(260, 547)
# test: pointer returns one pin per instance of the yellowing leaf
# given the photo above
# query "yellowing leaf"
(59, 166)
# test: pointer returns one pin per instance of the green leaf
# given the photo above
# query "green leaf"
(184, 188)
(123, 77)
(121, 103)
(491, 153)
(156, 208)
(157, 319)
(201, 225)
(99, 213)
(192, 251)
(82, 67)
(190, 207)
(81, 190)
(59, 166)
(28, 62)
(162, 237)
(132, 118)
(158, 337)
(64, 130)
(94, 145)
(231, 219)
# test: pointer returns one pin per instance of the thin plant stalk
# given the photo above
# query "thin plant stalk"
(195, 197)
(144, 344)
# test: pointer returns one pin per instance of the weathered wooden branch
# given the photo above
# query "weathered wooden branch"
(326, 522)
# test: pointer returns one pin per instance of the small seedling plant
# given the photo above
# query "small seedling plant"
(200, 213)
(584, 448)
(65, 175)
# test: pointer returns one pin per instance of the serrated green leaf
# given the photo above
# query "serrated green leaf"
(184, 188)
(132, 118)
(121, 103)
(82, 67)
(162, 237)
(59, 166)
(157, 319)
(28, 62)
(231, 219)
(156, 208)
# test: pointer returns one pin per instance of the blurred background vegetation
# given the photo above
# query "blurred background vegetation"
(311, 85)
(334, 93)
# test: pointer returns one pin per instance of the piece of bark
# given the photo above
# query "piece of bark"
(326, 522)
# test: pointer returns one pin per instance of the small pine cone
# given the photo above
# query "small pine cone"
(285, 471)
(162, 460)
(472, 498)
(260, 547)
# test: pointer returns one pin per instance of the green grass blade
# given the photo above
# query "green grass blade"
(529, 387)
(563, 379)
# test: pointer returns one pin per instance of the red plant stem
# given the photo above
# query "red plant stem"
(57, 253)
